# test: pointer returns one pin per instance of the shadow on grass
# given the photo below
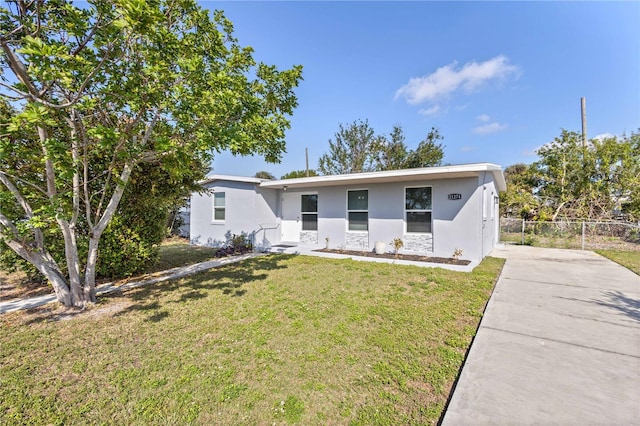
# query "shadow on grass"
(228, 279)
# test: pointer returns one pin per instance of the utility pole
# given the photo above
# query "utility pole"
(306, 154)
(583, 107)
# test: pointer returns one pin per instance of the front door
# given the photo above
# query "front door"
(291, 223)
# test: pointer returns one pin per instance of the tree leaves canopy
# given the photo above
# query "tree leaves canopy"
(90, 92)
(299, 174)
(358, 149)
(571, 181)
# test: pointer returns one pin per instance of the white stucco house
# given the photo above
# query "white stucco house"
(434, 210)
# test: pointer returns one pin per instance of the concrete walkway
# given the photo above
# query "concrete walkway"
(559, 344)
(169, 274)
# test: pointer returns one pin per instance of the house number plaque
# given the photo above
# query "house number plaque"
(455, 196)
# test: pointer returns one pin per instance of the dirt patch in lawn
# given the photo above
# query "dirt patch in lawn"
(17, 286)
(399, 256)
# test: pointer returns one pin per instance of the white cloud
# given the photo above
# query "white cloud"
(483, 118)
(467, 148)
(447, 79)
(430, 111)
(603, 136)
(487, 129)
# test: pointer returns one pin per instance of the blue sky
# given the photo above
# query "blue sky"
(498, 79)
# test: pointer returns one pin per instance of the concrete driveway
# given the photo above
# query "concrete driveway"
(559, 344)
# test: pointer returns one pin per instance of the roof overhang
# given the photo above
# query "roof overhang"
(406, 175)
(229, 178)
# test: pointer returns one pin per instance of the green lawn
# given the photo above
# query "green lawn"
(177, 252)
(275, 339)
(628, 259)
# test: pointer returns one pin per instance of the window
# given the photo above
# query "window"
(309, 212)
(358, 210)
(418, 209)
(218, 207)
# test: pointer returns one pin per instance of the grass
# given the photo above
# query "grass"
(176, 252)
(173, 252)
(628, 259)
(592, 242)
(274, 339)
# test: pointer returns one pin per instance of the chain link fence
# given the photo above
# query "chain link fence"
(571, 234)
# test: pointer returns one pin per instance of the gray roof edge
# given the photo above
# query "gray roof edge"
(495, 169)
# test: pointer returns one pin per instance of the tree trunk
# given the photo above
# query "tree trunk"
(47, 267)
(90, 270)
(89, 291)
(73, 263)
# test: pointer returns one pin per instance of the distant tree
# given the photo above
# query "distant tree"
(392, 152)
(519, 199)
(358, 149)
(588, 182)
(353, 151)
(299, 174)
(429, 152)
(264, 175)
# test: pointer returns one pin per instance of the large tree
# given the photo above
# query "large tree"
(519, 199)
(392, 151)
(353, 151)
(95, 91)
(429, 152)
(358, 149)
(590, 182)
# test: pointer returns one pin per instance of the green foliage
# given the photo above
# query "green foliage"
(392, 151)
(96, 91)
(264, 175)
(519, 199)
(123, 251)
(299, 174)
(358, 149)
(428, 153)
(240, 242)
(570, 181)
(588, 182)
(353, 150)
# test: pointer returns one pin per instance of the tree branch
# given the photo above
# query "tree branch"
(37, 232)
(5, 223)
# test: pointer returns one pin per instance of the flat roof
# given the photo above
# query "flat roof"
(245, 179)
(404, 175)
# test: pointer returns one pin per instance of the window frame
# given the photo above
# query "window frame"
(406, 211)
(356, 210)
(302, 212)
(214, 207)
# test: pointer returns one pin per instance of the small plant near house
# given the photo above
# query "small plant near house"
(326, 243)
(457, 253)
(237, 244)
(397, 244)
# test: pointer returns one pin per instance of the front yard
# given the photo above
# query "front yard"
(275, 339)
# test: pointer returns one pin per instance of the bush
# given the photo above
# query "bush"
(124, 251)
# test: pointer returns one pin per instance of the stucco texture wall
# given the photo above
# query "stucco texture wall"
(249, 210)
(456, 224)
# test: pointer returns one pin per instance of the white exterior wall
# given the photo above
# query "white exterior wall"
(490, 214)
(248, 209)
(455, 223)
(469, 224)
